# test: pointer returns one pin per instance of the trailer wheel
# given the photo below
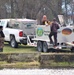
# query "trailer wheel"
(45, 47)
(72, 49)
(13, 42)
(39, 46)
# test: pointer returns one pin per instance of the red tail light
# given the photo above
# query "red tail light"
(20, 33)
(73, 42)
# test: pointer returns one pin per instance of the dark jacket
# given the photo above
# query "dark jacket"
(2, 34)
(54, 27)
(1, 39)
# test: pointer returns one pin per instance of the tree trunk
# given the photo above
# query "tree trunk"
(12, 9)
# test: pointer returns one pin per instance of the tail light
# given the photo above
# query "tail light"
(20, 33)
(73, 42)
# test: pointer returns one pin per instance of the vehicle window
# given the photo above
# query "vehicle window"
(8, 26)
(16, 26)
(2, 23)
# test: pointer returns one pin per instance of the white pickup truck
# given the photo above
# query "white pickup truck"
(13, 36)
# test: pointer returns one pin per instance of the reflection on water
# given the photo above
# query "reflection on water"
(37, 72)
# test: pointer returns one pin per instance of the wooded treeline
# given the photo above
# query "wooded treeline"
(33, 9)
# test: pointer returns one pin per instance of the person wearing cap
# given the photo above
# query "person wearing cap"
(53, 28)
(1, 39)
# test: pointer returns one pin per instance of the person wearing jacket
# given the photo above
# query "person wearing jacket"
(53, 28)
(44, 20)
(1, 39)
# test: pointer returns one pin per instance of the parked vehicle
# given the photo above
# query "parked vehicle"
(13, 36)
(28, 26)
(19, 31)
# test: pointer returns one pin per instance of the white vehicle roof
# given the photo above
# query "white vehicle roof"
(4, 21)
(25, 19)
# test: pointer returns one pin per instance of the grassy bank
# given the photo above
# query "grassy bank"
(20, 49)
(31, 60)
(27, 65)
(19, 65)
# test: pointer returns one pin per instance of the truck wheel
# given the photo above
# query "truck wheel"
(45, 47)
(13, 43)
(72, 49)
(39, 46)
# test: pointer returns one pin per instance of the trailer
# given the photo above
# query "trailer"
(64, 37)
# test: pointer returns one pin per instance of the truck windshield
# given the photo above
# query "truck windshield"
(3, 23)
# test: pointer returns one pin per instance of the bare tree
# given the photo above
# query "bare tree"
(33, 9)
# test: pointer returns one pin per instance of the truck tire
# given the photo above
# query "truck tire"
(45, 47)
(72, 49)
(13, 42)
(39, 46)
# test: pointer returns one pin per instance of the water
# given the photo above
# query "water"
(37, 72)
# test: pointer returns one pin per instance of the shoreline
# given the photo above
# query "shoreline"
(36, 60)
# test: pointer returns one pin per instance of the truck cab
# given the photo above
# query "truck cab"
(13, 36)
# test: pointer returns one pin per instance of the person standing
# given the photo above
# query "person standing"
(44, 20)
(53, 27)
(1, 39)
